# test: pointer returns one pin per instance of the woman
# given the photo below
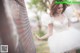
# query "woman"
(62, 37)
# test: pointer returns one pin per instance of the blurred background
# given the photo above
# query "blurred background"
(38, 14)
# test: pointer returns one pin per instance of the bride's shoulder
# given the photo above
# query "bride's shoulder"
(50, 19)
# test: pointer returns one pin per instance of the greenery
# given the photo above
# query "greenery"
(40, 5)
(40, 33)
(67, 2)
(43, 47)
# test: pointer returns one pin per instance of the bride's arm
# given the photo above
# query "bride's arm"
(50, 30)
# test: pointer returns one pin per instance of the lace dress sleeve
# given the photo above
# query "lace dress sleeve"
(73, 18)
(47, 20)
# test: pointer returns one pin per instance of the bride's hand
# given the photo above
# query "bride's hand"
(37, 37)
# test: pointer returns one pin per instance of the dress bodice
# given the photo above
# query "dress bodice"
(59, 25)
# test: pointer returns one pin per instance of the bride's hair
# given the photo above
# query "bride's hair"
(54, 6)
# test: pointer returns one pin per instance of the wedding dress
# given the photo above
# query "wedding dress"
(63, 38)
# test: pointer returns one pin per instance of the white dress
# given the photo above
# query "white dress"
(63, 38)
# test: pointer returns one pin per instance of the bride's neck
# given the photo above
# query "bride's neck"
(57, 15)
